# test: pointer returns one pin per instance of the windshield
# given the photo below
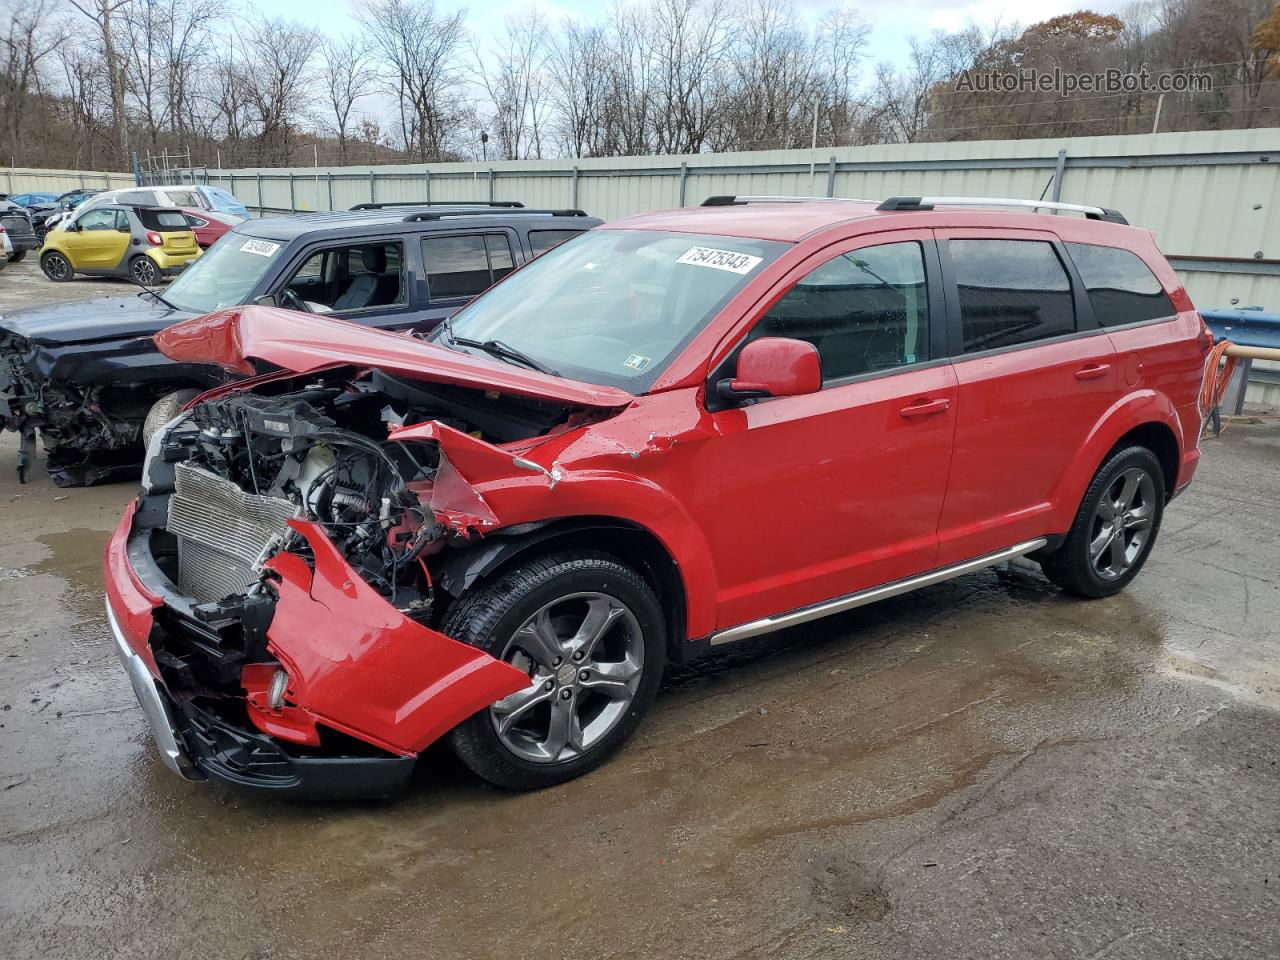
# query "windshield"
(225, 275)
(612, 307)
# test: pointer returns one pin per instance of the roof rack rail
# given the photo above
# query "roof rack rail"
(437, 203)
(731, 201)
(928, 203)
(484, 212)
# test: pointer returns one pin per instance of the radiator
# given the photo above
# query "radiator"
(223, 532)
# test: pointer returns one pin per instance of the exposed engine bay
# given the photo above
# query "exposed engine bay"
(244, 464)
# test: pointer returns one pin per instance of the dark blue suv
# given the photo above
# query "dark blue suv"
(87, 376)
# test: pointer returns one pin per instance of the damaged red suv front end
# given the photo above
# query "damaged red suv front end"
(271, 590)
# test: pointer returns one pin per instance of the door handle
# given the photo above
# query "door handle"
(925, 408)
(1093, 371)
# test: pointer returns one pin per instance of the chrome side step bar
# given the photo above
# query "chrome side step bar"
(825, 609)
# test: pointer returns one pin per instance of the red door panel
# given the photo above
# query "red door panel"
(830, 493)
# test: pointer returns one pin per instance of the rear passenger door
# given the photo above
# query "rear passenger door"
(1035, 375)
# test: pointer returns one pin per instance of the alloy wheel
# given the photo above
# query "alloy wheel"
(1122, 523)
(584, 654)
(144, 271)
(55, 266)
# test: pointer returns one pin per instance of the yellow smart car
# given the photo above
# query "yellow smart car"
(120, 240)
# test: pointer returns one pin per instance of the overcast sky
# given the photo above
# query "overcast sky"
(892, 21)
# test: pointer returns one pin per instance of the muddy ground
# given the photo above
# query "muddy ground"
(985, 769)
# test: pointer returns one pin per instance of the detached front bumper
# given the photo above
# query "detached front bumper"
(365, 695)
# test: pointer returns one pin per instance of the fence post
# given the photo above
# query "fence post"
(329, 177)
(491, 183)
(428, 176)
(373, 198)
(260, 210)
(684, 181)
(831, 177)
(293, 203)
(1058, 171)
(573, 191)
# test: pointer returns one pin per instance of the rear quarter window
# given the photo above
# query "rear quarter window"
(1122, 289)
(540, 241)
(163, 220)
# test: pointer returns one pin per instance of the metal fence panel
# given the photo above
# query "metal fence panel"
(17, 180)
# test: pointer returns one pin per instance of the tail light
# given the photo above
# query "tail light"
(155, 239)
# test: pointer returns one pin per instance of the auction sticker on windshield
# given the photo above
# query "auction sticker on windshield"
(741, 263)
(261, 247)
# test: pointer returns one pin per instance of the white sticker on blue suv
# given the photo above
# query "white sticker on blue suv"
(740, 263)
(261, 247)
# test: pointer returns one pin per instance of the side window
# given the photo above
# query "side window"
(866, 310)
(540, 241)
(1121, 288)
(98, 220)
(1011, 292)
(463, 266)
(350, 278)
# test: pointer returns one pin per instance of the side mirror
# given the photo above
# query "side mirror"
(773, 367)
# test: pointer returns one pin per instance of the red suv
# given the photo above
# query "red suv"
(667, 434)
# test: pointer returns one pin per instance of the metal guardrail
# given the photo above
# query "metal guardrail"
(1248, 327)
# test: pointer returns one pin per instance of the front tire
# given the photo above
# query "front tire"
(164, 410)
(1115, 527)
(589, 631)
(18, 256)
(144, 270)
(56, 267)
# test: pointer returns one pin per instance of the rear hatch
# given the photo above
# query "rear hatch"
(16, 222)
(179, 239)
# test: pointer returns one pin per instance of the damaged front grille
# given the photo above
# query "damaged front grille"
(224, 534)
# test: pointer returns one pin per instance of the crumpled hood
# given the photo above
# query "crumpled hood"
(302, 342)
(103, 318)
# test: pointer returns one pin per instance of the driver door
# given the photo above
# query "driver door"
(101, 241)
(831, 493)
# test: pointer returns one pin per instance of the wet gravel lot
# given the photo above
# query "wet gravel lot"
(985, 769)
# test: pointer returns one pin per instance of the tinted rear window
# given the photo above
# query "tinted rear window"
(1011, 292)
(1122, 289)
(163, 220)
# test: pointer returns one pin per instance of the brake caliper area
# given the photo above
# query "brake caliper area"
(357, 664)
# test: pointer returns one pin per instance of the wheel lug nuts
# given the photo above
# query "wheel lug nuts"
(578, 655)
(566, 694)
(584, 676)
(548, 685)
(557, 661)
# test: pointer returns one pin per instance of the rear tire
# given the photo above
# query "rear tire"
(590, 633)
(56, 267)
(18, 256)
(144, 270)
(164, 410)
(1114, 529)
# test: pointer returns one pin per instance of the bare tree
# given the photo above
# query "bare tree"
(578, 79)
(513, 75)
(347, 74)
(28, 39)
(100, 12)
(275, 79)
(419, 48)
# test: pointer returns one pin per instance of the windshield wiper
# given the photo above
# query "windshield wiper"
(496, 348)
(146, 289)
